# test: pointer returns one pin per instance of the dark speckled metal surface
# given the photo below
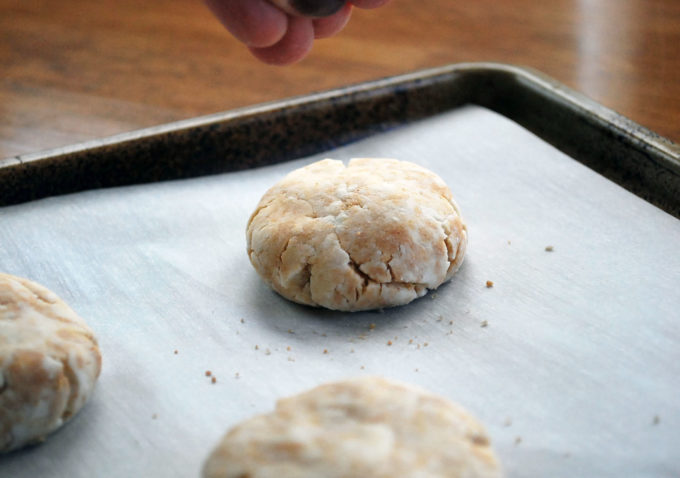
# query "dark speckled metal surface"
(630, 155)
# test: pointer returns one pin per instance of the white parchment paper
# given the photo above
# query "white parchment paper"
(571, 359)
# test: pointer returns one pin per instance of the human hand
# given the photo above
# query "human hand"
(276, 32)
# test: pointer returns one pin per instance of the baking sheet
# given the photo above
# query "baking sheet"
(571, 359)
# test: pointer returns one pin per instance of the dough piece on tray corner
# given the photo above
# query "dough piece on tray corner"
(49, 362)
(364, 427)
(375, 233)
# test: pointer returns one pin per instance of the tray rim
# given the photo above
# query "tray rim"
(18, 171)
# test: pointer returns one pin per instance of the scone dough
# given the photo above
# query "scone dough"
(49, 362)
(365, 427)
(377, 233)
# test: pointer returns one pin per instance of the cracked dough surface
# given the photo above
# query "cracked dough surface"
(364, 427)
(375, 233)
(49, 362)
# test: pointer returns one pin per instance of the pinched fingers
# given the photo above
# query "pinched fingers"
(282, 32)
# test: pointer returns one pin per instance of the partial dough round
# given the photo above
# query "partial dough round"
(377, 233)
(49, 362)
(367, 427)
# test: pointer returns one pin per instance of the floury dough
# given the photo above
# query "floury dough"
(375, 233)
(365, 427)
(49, 362)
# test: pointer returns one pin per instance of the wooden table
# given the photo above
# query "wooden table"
(74, 70)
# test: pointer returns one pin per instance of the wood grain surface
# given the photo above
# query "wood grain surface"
(75, 70)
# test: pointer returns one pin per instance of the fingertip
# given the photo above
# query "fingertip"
(329, 26)
(293, 47)
(255, 23)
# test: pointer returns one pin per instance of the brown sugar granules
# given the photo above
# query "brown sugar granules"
(489, 284)
(213, 380)
(208, 373)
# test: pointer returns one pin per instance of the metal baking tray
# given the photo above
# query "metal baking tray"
(571, 359)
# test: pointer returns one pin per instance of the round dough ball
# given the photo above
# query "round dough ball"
(377, 233)
(49, 362)
(366, 427)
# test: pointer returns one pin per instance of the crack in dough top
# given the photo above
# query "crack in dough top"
(49, 362)
(376, 233)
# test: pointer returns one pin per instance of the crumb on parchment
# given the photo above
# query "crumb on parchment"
(489, 284)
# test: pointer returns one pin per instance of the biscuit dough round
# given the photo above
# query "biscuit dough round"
(376, 233)
(365, 427)
(49, 362)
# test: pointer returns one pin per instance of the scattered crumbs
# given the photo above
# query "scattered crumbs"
(243, 321)
(362, 367)
(410, 341)
(267, 352)
(450, 332)
(214, 379)
(208, 373)
(175, 352)
(371, 327)
(450, 322)
(507, 422)
(389, 342)
(288, 348)
(290, 331)
(549, 248)
(440, 318)
(154, 416)
(291, 359)
(425, 344)
(257, 347)
(237, 375)
(485, 323)
(656, 420)
(325, 351)
(518, 440)
(489, 284)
